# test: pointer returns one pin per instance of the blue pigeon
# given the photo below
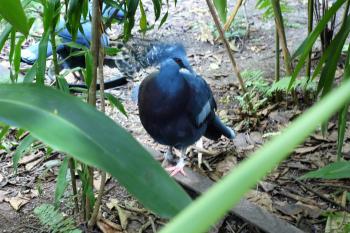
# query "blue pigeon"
(176, 106)
(31, 54)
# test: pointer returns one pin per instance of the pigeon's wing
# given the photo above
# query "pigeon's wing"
(201, 104)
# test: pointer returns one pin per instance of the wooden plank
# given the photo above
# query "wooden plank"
(245, 210)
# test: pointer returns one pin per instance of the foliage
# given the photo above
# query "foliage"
(283, 85)
(56, 119)
(54, 220)
(266, 6)
(257, 88)
(237, 30)
(337, 170)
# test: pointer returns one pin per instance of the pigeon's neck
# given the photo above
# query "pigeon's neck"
(170, 81)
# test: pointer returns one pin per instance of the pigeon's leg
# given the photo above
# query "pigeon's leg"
(168, 156)
(199, 144)
(179, 167)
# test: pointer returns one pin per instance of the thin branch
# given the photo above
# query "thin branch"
(228, 49)
(233, 15)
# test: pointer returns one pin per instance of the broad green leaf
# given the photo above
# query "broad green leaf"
(21, 149)
(62, 181)
(213, 204)
(305, 47)
(337, 170)
(12, 11)
(116, 103)
(221, 8)
(67, 124)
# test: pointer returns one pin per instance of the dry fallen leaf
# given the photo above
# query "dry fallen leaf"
(29, 166)
(306, 149)
(261, 198)
(17, 202)
(29, 158)
(112, 204)
(224, 166)
(2, 195)
(106, 228)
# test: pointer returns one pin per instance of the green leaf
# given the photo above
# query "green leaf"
(221, 7)
(17, 56)
(88, 68)
(130, 17)
(213, 204)
(305, 47)
(163, 19)
(41, 62)
(12, 11)
(328, 72)
(342, 115)
(63, 84)
(157, 4)
(5, 34)
(69, 125)
(111, 51)
(337, 170)
(116, 103)
(62, 181)
(30, 75)
(143, 19)
(22, 148)
(4, 130)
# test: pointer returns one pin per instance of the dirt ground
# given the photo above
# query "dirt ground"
(190, 23)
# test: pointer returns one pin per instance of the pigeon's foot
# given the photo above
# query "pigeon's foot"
(179, 167)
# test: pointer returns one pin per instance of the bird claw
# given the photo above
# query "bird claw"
(176, 169)
(179, 167)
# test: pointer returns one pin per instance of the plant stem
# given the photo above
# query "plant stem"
(282, 35)
(74, 185)
(54, 54)
(228, 49)
(233, 15)
(309, 30)
(95, 46)
(96, 209)
(277, 62)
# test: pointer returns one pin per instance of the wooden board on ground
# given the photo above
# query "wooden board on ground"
(245, 210)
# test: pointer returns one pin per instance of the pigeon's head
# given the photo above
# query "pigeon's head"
(161, 52)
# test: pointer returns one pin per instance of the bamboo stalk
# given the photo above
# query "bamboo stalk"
(233, 15)
(282, 35)
(309, 30)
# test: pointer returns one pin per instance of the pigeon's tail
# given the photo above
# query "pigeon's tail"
(216, 128)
